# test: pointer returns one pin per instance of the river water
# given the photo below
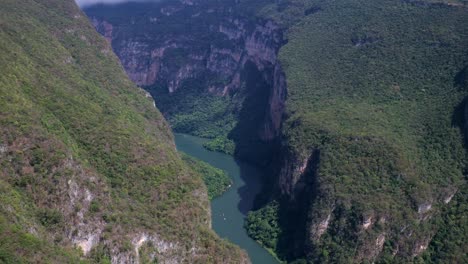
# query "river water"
(230, 209)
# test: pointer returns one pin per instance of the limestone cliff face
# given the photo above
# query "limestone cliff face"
(273, 120)
(215, 54)
(317, 201)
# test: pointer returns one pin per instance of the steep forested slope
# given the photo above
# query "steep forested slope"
(373, 135)
(87, 163)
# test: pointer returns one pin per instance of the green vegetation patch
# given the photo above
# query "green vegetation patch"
(263, 225)
(217, 181)
(193, 110)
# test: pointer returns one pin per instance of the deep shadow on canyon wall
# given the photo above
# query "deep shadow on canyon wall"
(255, 139)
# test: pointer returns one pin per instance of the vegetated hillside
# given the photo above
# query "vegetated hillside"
(373, 157)
(217, 181)
(88, 165)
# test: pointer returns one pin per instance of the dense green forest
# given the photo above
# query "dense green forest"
(217, 181)
(373, 85)
(88, 165)
(195, 111)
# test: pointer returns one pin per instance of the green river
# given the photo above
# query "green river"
(229, 210)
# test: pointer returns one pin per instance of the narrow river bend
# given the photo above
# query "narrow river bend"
(229, 210)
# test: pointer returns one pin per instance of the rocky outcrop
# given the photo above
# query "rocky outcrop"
(274, 118)
(148, 63)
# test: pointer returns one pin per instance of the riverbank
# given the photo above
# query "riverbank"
(230, 209)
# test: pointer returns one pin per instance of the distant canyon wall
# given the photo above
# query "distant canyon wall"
(216, 54)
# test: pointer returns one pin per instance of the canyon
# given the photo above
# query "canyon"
(336, 176)
(354, 110)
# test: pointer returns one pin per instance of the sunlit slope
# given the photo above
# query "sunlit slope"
(87, 162)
